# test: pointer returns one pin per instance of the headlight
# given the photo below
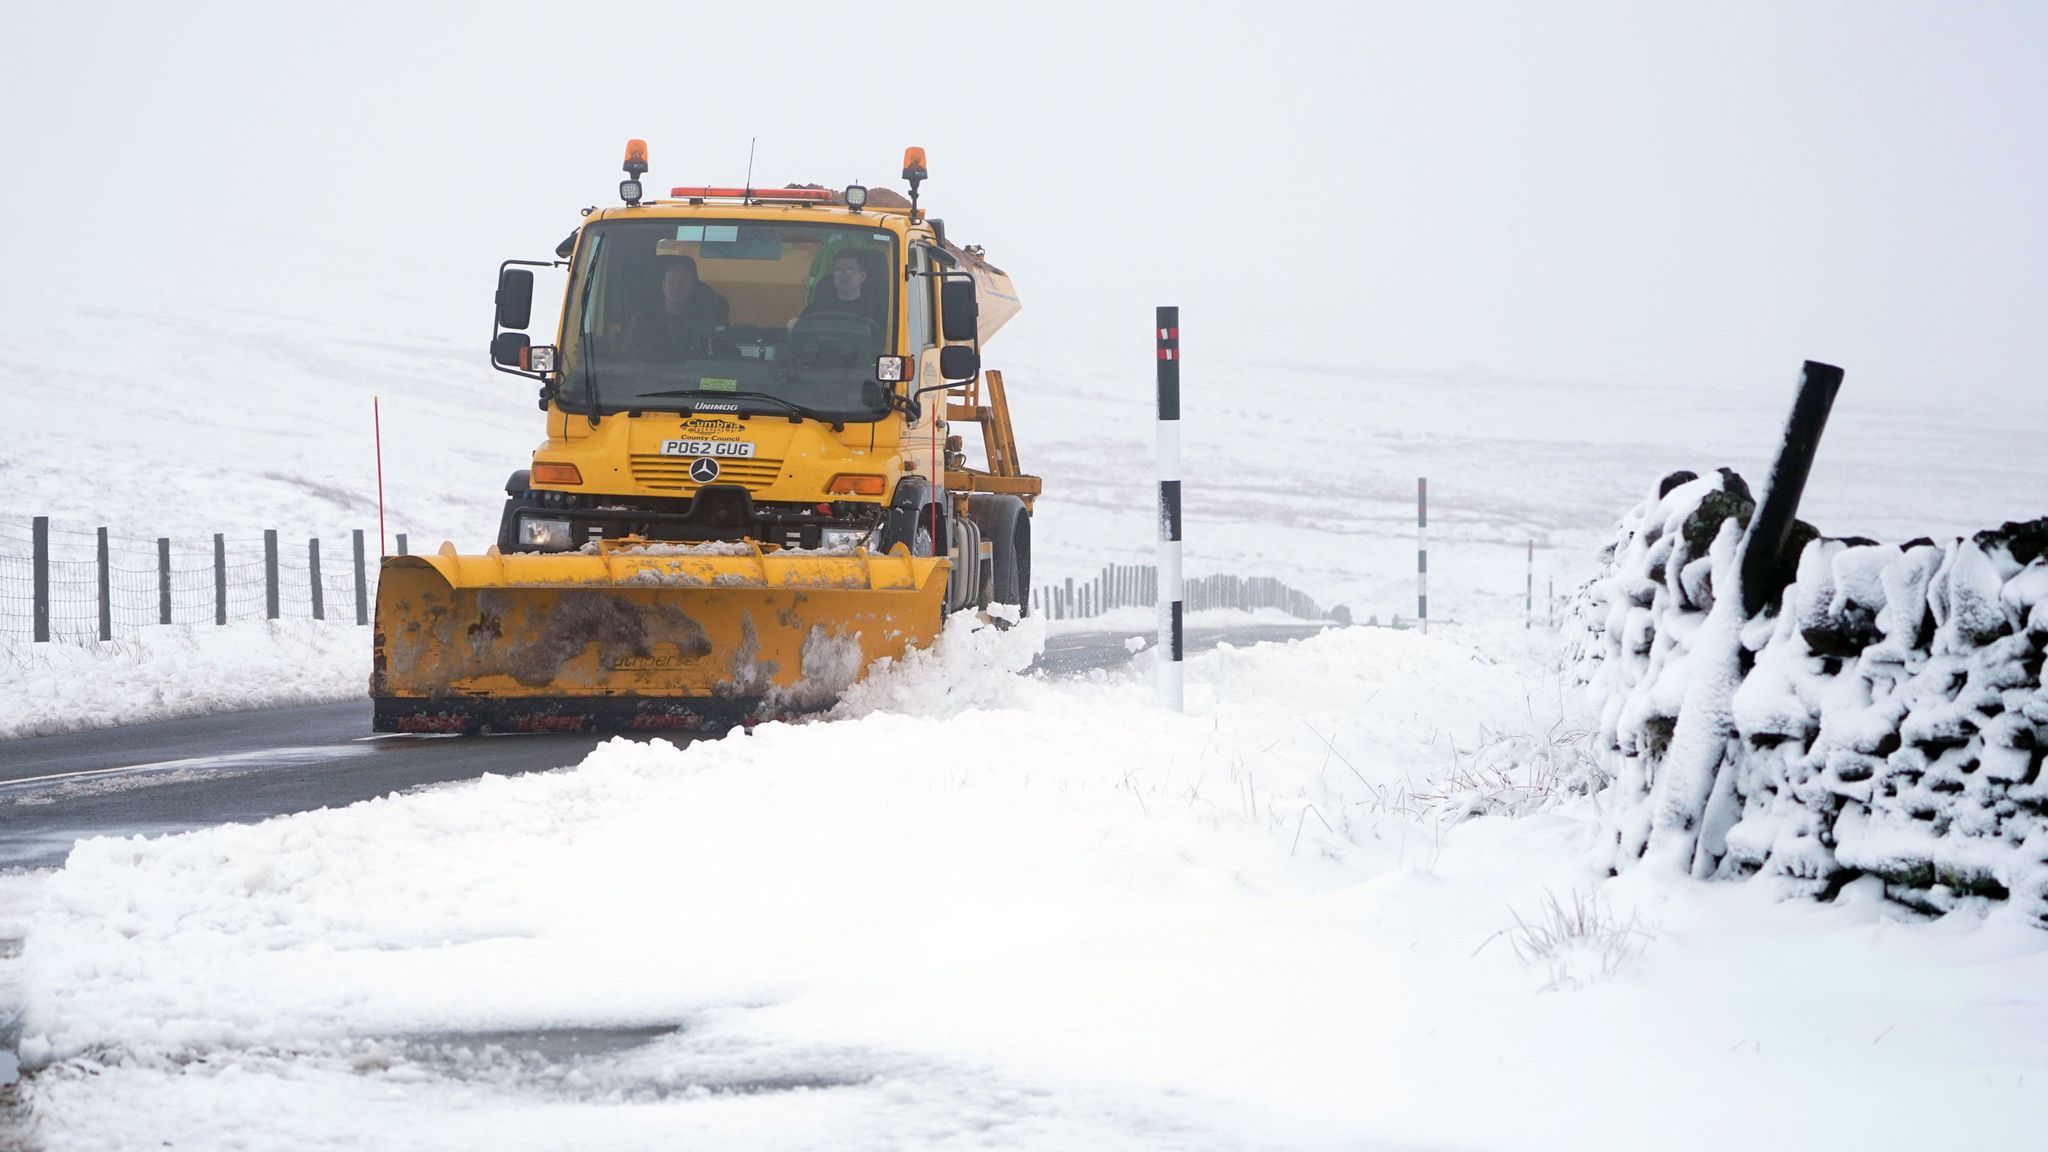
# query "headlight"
(544, 533)
(844, 537)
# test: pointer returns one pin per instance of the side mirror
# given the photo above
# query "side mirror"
(962, 315)
(958, 362)
(508, 348)
(515, 298)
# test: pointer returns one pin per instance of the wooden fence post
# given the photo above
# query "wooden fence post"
(220, 579)
(270, 573)
(106, 588)
(40, 535)
(362, 588)
(163, 579)
(313, 574)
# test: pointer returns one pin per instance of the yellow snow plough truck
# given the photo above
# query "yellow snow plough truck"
(753, 484)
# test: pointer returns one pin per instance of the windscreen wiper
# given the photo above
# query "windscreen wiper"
(797, 412)
(590, 377)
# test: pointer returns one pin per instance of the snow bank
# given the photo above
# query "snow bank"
(968, 870)
(982, 909)
(1884, 716)
(165, 672)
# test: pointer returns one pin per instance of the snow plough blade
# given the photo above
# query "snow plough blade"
(637, 637)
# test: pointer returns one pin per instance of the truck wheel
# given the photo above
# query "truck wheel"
(1007, 526)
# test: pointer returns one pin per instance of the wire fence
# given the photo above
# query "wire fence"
(1137, 586)
(62, 583)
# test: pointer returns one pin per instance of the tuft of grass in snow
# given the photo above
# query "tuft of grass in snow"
(1511, 774)
(1575, 944)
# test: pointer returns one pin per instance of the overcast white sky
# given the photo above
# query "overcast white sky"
(1696, 194)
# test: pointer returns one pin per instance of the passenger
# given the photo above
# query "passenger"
(682, 326)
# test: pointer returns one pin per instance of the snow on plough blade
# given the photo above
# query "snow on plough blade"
(653, 637)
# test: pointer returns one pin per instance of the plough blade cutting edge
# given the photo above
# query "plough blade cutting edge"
(683, 639)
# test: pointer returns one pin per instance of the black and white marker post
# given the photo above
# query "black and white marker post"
(1422, 551)
(1529, 590)
(1171, 649)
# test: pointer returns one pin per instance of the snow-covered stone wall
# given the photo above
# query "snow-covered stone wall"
(1884, 715)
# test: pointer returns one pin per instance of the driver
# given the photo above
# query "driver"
(846, 294)
(681, 326)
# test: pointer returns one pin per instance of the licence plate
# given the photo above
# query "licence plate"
(718, 449)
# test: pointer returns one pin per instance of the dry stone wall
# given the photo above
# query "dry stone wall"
(1884, 715)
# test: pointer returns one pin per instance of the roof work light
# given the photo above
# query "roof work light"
(635, 167)
(856, 197)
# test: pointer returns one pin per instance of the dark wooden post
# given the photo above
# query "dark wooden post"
(362, 586)
(270, 573)
(40, 536)
(1770, 529)
(163, 579)
(106, 589)
(313, 575)
(220, 579)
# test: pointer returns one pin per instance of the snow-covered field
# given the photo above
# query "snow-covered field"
(983, 910)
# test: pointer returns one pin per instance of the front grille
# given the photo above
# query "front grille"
(672, 473)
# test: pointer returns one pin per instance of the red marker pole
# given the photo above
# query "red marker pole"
(377, 429)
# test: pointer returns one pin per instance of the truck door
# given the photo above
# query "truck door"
(921, 326)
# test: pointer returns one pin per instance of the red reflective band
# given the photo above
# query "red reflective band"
(819, 194)
(1169, 333)
(1167, 354)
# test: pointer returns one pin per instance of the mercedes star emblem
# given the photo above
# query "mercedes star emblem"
(704, 470)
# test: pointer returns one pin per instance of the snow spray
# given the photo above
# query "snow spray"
(1167, 331)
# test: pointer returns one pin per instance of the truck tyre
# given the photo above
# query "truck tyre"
(965, 586)
(908, 520)
(1006, 525)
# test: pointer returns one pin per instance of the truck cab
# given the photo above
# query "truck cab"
(775, 367)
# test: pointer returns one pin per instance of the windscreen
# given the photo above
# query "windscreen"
(666, 313)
